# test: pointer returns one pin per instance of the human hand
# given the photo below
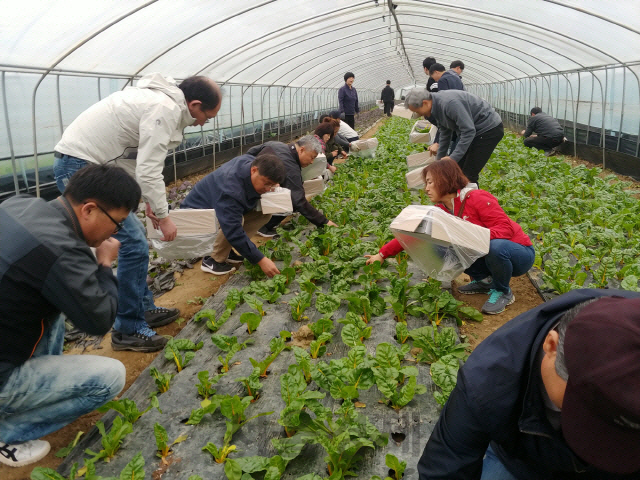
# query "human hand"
(522, 132)
(107, 252)
(331, 168)
(334, 153)
(344, 154)
(433, 148)
(169, 229)
(374, 258)
(268, 267)
(331, 224)
(152, 216)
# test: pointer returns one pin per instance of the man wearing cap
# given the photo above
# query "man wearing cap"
(552, 394)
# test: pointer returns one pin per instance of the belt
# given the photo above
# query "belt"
(57, 155)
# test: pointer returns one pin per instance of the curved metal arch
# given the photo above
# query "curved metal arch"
(593, 14)
(188, 37)
(79, 44)
(392, 9)
(508, 34)
(294, 25)
(520, 21)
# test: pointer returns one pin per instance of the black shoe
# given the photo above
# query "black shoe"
(160, 316)
(550, 153)
(267, 232)
(145, 340)
(209, 265)
(235, 258)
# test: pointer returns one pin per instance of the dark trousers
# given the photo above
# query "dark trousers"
(542, 143)
(350, 120)
(479, 152)
(388, 108)
(274, 222)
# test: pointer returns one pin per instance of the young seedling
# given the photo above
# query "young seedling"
(206, 383)
(229, 345)
(276, 345)
(355, 330)
(111, 441)
(163, 380)
(252, 320)
(317, 348)
(213, 323)
(128, 408)
(162, 442)
(64, 451)
(254, 303)
(252, 384)
(174, 348)
(197, 301)
(391, 376)
(299, 304)
(134, 470)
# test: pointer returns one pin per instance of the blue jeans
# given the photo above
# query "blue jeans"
(493, 469)
(505, 259)
(51, 390)
(134, 296)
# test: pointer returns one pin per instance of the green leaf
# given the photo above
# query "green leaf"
(327, 304)
(394, 464)
(471, 313)
(252, 320)
(162, 438)
(232, 469)
(40, 473)
(134, 470)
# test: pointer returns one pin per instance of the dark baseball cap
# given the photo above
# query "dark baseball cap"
(601, 406)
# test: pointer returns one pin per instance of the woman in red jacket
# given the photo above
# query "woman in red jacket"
(511, 253)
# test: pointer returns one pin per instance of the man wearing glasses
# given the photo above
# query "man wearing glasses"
(134, 128)
(47, 268)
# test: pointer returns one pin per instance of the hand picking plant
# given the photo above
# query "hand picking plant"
(163, 380)
(174, 347)
(436, 343)
(128, 408)
(162, 442)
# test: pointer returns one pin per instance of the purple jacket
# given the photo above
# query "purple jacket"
(348, 100)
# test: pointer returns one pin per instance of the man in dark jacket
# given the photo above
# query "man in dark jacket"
(233, 190)
(47, 268)
(549, 132)
(552, 394)
(426, 65)
(295, 157)
(348, 100)
(449, 80)
(478, 126)
(388, 96)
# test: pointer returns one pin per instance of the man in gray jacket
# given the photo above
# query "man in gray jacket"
(477, 124)
(134, 128)
(47, 268)
(548, 132)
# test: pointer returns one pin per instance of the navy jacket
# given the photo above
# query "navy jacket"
(544, 125)
(46, 267)
(289, 156)
(348, 100)
(229, 190)
(450, 80)
(497, 399)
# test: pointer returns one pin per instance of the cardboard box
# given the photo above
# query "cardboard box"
(189, 222)
(314, 187)
(420, 160)
(316, 168)
(276, 202)
(417, 137)
(414, 179)
(442, 244)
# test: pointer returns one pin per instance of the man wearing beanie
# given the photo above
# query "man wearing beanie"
(552, 394)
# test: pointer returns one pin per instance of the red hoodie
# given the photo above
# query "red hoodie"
(480, 208)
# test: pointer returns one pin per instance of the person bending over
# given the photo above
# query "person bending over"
(47, 269)
(233, 190)
(549, 134)
(325, 133)
(511, 253)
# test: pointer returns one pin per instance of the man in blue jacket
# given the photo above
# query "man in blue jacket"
(47, 268)
(233, 190)
(348, 100)
(552, 394)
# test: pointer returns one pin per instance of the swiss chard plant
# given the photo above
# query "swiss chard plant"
(317, 347)
(231, 346)
(444, 373)
(206, 384)
(355, 330)
(163, 380)
(112, 440)
(299, 304)
(276, 345)
(128, 408)
(437, 342)
(162, 442)
(343, 378)
(174, 348)
(252, 320)
(252, 384)
(397, 383)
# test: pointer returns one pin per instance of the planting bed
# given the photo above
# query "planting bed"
(343, 412)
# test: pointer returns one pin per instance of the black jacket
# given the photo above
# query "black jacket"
(46, 267)
(387, 95)
(289, 156)
(545, 126)
(230, 192)
(497, 399)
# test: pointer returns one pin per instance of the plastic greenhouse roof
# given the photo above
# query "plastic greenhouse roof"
(311, 44)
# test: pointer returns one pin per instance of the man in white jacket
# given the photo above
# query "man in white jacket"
(134, 129)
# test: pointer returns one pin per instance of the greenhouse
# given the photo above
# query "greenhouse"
(310, 266)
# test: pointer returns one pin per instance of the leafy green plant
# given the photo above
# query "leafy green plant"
(134, 470)
(128, 408)
(252, 320)
(327, 304)
(355, 330)
(317, 347)
(213, 323)
(276, 345)
(254, 303)
(196, 301)
(163, 380)
(402, 332)
(299, 304)
(205, 384)
(343, 378)
(303, 360)
(64, 451)
(323, 325)
(112, 440)
(231, 345)
(174, 347)
(365, 303)
(398, 297)
(397, 383)
(436, 343)
(444, 373)
(162, 442)
(252, 384)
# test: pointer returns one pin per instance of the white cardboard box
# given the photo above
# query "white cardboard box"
(276, 202)
(414, 179)
(417, 160)
(442, 244)
(189, 222)
(314, 186)
(417, 137)
(316, 168)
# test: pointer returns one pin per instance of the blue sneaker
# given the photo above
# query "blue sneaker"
(498, 301)
(476, 286)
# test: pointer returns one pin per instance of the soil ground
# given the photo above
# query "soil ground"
(194, 284)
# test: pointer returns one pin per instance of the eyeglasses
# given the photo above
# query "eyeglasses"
(119, 225)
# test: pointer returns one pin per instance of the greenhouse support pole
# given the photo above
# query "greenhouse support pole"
(262, 111)
(242, 92)
(624, 88)
(99, 90)
(575, 119)
(58, 104)
(231, 115)
(14, 168)
(593, 84)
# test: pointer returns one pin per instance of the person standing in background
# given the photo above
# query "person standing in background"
(426, 64)
(348, 100)
(388, 96)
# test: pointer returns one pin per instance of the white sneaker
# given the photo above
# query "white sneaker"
(20, 454)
